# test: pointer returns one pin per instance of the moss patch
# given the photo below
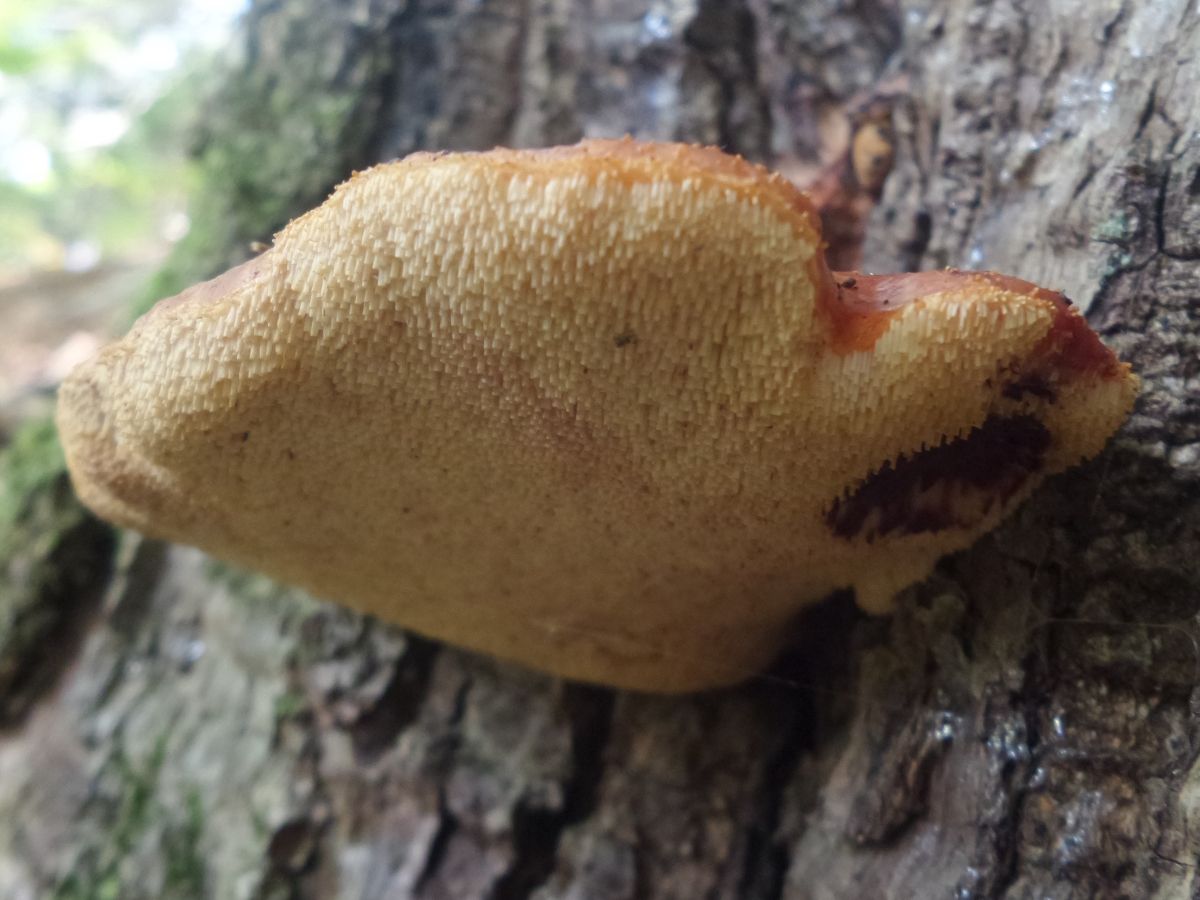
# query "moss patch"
(186, 874)
(54, 563)
(28, 465)
(110, 869)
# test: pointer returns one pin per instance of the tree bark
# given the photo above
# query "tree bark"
(1025, 724)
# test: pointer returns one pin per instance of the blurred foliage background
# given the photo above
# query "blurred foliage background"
(98, 105)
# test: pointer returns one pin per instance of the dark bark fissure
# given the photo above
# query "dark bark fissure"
(447, 825)
(788, 688)
(376, 729)
(723, 36)
(536, 832)
(1027, 705)
(396, 34)
(46, 628)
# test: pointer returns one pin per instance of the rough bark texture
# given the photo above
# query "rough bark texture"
(1025, 725)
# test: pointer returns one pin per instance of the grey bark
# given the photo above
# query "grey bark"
(1025, 725)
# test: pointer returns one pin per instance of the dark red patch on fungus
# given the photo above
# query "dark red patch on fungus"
(1034, 385)
(1076, 348)
(953, 485)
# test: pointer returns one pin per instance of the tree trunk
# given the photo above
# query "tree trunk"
(1026, 724)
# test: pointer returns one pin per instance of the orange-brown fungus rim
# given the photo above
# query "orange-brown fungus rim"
(639, 162)
(218, 288)
(1070, 345)
(861, 307)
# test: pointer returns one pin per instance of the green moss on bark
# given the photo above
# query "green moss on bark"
(28, 465)
(54, 563)
(276, 138)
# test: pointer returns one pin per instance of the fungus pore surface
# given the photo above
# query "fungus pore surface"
(599, 409)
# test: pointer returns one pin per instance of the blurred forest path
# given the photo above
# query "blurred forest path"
(1027, 724)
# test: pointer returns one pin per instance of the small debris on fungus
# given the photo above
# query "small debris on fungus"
(503, 473)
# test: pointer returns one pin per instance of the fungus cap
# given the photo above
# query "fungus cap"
(599, 409)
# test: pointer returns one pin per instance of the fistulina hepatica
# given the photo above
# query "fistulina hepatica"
(600, 409)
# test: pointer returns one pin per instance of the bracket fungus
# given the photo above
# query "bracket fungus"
(599, 409)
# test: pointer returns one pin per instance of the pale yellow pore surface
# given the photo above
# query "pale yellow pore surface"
(584, 409)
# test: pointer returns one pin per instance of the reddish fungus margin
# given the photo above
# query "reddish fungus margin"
(1070, 347)
(953, 485)
(1073, 347)
(1070, 350)
(860, 307)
